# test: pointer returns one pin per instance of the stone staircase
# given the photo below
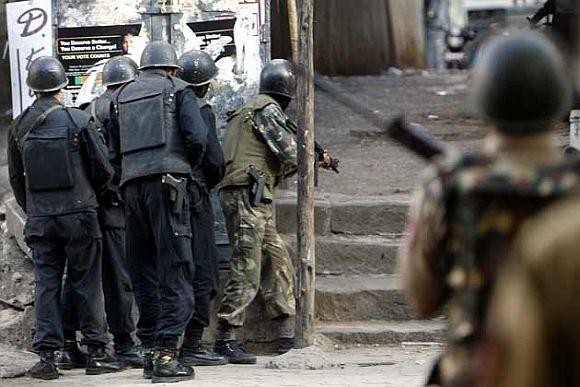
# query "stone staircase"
(359, 299)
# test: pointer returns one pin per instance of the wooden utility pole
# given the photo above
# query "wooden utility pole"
(293, 24)
(306, 242)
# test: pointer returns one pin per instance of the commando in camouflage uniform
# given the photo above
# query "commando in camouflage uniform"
(259, 134)
(461, 226)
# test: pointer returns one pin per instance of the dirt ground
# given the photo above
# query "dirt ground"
(386, 366)
(371, 165)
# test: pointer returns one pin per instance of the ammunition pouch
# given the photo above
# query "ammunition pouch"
(54, 145)
(142, 120)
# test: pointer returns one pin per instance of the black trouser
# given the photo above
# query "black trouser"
(56, 240)
(116, 283)
(205, 257)
(160, 262)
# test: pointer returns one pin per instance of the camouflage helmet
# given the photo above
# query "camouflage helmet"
(158, 54)
(197, 68)
(46, 74)
(520, 84)
(278, 78)
(119, 70)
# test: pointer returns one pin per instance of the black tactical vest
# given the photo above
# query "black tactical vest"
(151, 142)
(50, 144)
(100, 110)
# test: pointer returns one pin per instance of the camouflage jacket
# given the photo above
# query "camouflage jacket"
(461, 226)
(275, 127)
(259, 134)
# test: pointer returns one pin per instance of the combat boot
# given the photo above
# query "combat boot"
(286, 327)
(234, 353)
(149, 354)
(98, 362)
(129, 355)
(168, 369)
(285, 344)
(71, 356)
(194, 354)
(45, 369)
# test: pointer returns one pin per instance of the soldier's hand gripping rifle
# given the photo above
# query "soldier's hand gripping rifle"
(323, 158)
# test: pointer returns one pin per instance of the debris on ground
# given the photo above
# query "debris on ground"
(310, 358)
(15, 362)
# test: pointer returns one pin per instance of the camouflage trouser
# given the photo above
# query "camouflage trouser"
(259, 261)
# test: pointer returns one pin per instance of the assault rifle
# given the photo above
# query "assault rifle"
(412, 136)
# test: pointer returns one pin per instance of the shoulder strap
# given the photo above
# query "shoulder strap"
(94, 109)
(39, 121)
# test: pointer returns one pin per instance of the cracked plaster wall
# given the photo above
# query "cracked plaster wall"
(239, 75)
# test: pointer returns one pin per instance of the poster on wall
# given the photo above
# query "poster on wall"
(29, 36)
(216, 34)
(80, 48)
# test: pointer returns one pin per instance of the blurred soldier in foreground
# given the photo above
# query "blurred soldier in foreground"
(161, 136)
(198, 68)
(58, 170)
(470, 207)
(261, 150)
(116, 280)
(533, 338)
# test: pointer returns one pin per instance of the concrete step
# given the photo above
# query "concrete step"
(361, 298)
(347, 215)
(384, 332)
(351, 254)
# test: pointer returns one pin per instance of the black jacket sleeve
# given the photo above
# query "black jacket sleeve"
(192, 126)
(114, 141)
(16, 170)
(99, 169)
(214, 164)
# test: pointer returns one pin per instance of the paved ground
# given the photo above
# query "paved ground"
(387, 366)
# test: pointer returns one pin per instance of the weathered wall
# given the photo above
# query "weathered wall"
(362, 37)
(4, 64)
(239, 74)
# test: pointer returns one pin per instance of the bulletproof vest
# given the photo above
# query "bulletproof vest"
(485, 207)
(151, 141)
(243, 146)
(49, 138)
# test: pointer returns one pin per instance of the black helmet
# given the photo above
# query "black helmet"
(278, 78)
(158, 54)
(197, 68)
(119, 70)
(46, 74)
(520, 83)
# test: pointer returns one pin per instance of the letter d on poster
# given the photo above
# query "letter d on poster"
(29, 36)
